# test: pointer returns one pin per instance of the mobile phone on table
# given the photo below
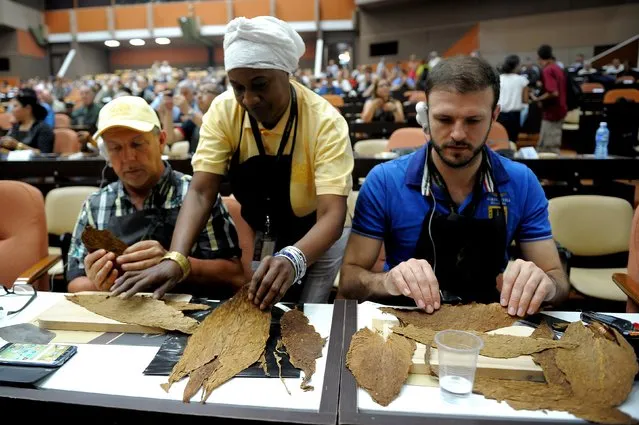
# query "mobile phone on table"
(44, 355)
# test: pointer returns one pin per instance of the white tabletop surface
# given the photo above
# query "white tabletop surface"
(428, 400)
(117, 369)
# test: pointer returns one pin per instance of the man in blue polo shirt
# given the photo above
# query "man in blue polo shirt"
(447, 213)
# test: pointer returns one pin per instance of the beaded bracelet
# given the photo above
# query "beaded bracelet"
(297, 259)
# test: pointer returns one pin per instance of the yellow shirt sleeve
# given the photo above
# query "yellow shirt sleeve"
(333, 157)
(215, 147)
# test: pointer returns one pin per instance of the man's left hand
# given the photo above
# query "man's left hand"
(141, 256)
(270, 281)
(525, 286)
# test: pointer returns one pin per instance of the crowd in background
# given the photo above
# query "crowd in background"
(182, 96)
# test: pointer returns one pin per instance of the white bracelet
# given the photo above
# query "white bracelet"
(297, 259)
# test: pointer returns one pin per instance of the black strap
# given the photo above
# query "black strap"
(292, 117)
(436, 176)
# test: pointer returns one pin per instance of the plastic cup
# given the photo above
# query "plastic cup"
(457, 352)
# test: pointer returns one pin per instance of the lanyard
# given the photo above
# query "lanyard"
(292, 117)
(435, 175)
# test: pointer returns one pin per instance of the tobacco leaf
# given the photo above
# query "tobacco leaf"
(475, 317)
(380, 367)
(234, 335)
(94, 239)
(496, 346)
(303, 344)
(138, 310)
(598, 366)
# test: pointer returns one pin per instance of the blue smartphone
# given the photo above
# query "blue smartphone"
(43, 355)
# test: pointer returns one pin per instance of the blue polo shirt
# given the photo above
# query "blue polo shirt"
(392, 208)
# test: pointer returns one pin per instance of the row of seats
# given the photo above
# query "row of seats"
(411, 137)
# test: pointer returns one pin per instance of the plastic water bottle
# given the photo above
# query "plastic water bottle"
(601, 141)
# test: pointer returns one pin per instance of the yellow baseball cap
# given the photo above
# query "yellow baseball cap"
(127, 111)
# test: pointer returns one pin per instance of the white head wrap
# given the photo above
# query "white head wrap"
(263, 42)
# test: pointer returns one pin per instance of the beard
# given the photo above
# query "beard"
(461, 161)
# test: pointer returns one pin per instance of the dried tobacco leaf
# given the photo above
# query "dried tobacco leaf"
(187, 306)
(588, 381)
(523, 395)
(94, 240)
(380, 367)
(598, 366)
(474, 317)
(138, 310)
(546, 359)
(496, 346)
(234, 335)
(302, 343)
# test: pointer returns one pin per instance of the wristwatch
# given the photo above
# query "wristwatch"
(181, 260)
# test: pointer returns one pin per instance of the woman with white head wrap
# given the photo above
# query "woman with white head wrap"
(287, 155)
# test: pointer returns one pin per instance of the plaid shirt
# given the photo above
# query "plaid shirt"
(217, 240)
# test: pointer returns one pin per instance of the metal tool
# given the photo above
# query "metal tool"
(624, 327)
(448, 297)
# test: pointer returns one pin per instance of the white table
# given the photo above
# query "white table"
(113, 374)
(419, 404)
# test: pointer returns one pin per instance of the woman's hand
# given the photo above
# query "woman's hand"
(271, 281)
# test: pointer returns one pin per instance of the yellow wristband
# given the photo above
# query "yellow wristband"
(181, 260)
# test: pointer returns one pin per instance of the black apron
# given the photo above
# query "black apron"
(158, 223)
(261, 184)
(466, 253)
(155, 223)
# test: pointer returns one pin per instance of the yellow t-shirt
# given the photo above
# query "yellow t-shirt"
(323, 157)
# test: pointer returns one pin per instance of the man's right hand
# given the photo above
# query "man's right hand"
(414, 279)
(99, 268)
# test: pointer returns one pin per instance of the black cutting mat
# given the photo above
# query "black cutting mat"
(173, 347)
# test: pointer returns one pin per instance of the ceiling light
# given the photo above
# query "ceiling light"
(162, 40)
(136, 42)
(112, 43)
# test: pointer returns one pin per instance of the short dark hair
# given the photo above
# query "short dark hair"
(545, 52)
(463, 74)
(510, 64)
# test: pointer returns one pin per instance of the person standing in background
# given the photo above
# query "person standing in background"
(552, 101)
(512, 97)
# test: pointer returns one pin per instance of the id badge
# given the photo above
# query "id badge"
(263, 246)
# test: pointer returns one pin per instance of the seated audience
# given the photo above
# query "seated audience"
(587, 69)
(87, 114)
(141, 209)
(29, 130)
(191, 119)
(614, 68)
(441, 212)
(402, 82)
(185, 90)
(381, 107)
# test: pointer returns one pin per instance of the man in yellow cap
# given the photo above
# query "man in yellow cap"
(141, 209)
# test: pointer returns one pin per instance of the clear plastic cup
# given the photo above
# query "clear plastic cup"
(457, 352)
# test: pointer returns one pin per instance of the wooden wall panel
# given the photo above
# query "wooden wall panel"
(167, 14)
(27, 45)
(251, 8)
(466, 44)
(130, 17)
(295, 10)
(92, 19)
(144, 57)
(211, 12)
(336, 9)
(57, 21)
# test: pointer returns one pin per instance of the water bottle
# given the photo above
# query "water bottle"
(601, 141)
